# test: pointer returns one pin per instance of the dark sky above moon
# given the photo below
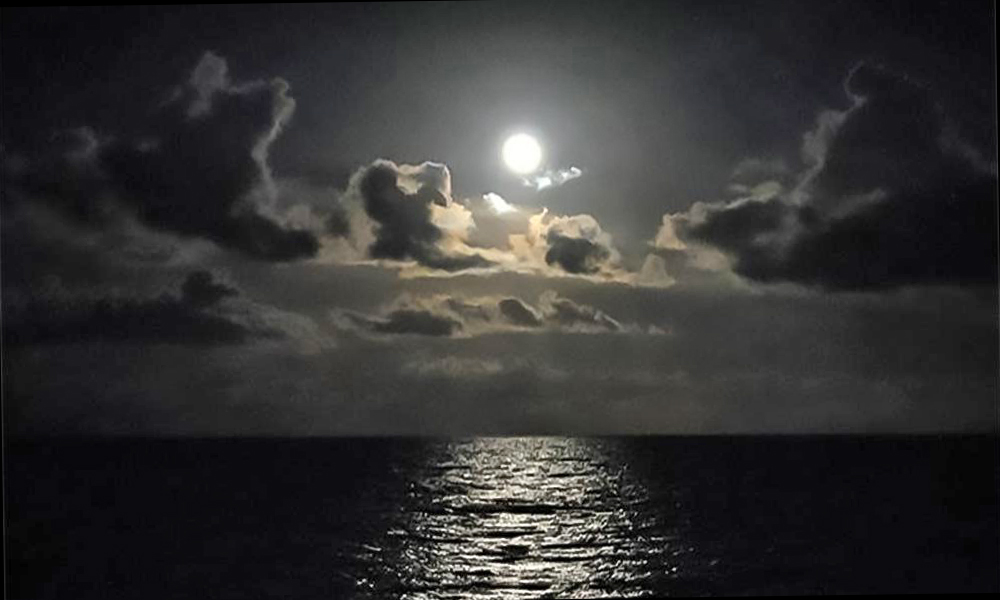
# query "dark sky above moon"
(272, 219)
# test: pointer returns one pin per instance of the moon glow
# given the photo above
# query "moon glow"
(522, 153)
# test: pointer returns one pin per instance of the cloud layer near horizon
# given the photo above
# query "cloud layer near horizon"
(206, 312)
(445, 315)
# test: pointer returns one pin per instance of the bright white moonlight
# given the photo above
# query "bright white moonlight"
(522, 154)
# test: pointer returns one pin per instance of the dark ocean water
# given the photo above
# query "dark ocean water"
(541, 517)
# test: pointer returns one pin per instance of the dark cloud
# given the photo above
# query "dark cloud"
(439, 260)
(738, 227)
(445, 315)
(168, 319)
(338, 224)
(888, 202)
(891, 139)
(417, 322)
(944, 235)
(39, 243)
(66, 177)
(468, 310)
(402, 321)
(194, 171)
(571, 315)
(519, 313)
(575, 255)
(208, 152)
(404, 219)
(200, 289)
(576, 244)
(307, 201)
(404, 226)
(61, 220)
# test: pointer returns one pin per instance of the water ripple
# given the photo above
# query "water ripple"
(518, 517)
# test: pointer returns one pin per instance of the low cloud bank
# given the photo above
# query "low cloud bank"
(453, 316)
(206, 312)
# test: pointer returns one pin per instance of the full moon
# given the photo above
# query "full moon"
(522, 154)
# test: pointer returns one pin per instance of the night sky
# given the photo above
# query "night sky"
(749, 217)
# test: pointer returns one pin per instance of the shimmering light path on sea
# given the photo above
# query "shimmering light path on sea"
(520, 517)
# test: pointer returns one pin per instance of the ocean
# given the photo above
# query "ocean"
(501, 517)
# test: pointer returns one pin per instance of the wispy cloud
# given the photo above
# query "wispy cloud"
(551, 178)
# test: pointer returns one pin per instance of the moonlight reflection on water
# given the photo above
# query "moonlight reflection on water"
(519, 517)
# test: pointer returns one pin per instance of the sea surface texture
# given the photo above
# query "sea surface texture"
(538, 517)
